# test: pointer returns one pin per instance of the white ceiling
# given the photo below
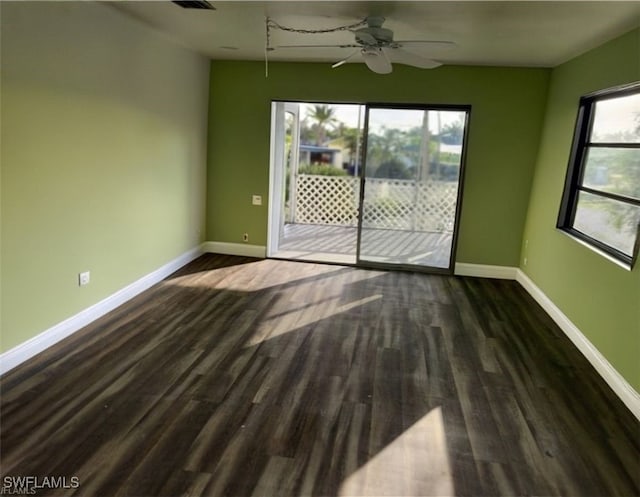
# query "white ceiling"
(517, 33)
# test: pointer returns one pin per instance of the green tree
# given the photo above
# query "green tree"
(451, 133)
(349, 138)
(384, 147)
(321, 170)
(324, 117)
(393, 169)
(617, 171)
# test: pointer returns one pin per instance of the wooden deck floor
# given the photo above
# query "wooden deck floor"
(242, 377)
(312, 242)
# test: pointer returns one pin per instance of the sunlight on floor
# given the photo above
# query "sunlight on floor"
(305, 316)
(243, 278)
(415, 463)
(297, 303)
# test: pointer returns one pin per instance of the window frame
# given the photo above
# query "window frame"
(576, 168)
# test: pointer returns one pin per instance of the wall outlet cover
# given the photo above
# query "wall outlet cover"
(84, 278)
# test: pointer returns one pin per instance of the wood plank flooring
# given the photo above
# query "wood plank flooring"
(244, 377)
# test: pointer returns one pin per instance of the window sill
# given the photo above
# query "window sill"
(598, 251)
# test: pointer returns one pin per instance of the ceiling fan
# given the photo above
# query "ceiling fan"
(378, 49)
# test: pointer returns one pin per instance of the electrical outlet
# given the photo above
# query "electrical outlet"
(256, 199)
(84, 278)
(245, 237)
(525, 261)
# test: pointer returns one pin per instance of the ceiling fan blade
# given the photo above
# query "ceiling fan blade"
(339, 63)
(431, 45)
(401, 56)
(376, 60)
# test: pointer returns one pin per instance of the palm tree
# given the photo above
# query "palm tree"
(324, 116)
(385, 146)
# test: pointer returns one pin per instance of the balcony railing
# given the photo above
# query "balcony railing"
(388, 203)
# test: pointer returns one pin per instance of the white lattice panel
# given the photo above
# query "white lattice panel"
(389, 204)
(407, 205)
(436, 206)
(329, 200)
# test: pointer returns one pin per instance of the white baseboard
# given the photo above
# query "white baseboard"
(242, 249)
(485, 271)
(17, 355)
(618, 384)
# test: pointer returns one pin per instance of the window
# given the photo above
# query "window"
(601, 199)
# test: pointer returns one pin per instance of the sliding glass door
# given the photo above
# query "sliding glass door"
(411, 186)
(391, 199)
(315, 181)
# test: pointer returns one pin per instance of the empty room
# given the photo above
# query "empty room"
(333, 248)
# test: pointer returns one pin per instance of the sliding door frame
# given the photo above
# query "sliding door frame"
(362, 177)
(275, 192)
(463, 159)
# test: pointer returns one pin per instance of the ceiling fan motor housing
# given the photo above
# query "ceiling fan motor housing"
(374, 36)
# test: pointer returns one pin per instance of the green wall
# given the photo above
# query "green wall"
(601, 298)
(103, 158)
(506, 118)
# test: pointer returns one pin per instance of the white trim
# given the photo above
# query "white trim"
(242, 249)
(276, 177)
(485, 271)
(26, 350)
(618, 384)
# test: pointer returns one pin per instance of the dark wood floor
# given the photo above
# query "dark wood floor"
(272, 378)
